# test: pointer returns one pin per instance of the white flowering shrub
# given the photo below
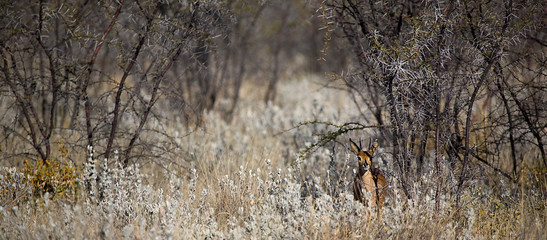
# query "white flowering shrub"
(13, 187)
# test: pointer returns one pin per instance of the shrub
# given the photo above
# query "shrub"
(13, 187)
(56, 177)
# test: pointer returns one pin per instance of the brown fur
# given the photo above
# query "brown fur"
(371, 180)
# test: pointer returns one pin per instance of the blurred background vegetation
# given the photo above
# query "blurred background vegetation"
(95, 73)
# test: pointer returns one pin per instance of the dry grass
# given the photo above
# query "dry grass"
(242, 180)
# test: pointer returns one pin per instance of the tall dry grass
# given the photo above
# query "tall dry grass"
(243, 180)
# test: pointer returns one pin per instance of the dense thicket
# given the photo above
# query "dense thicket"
(465, 80)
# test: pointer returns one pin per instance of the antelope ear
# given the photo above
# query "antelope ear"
(354, 146)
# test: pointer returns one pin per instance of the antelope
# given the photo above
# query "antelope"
(371, 180)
